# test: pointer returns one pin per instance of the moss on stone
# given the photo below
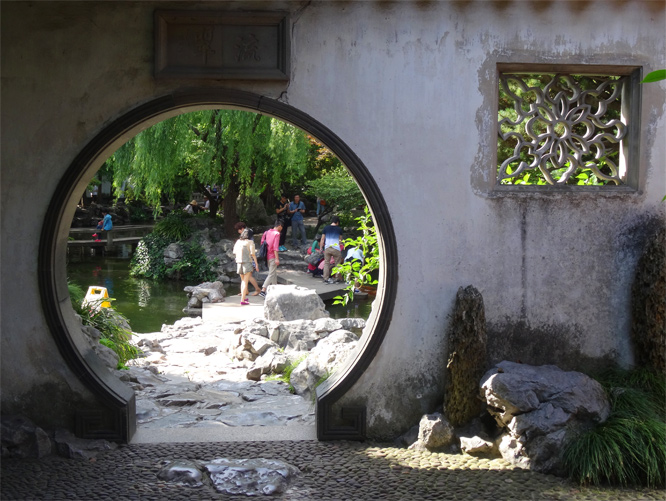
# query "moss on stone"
(467, 360)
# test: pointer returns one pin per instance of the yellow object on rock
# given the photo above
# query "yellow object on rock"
(95, 296)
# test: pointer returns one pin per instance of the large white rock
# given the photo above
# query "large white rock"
(329, 353)
(291, 302)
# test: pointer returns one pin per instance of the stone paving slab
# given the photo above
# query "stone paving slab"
(329, 471)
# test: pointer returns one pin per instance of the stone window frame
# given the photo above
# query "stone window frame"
(630, 147)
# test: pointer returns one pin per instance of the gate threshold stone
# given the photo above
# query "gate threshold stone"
(224, 434)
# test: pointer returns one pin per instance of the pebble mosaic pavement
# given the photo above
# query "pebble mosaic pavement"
(329, 471)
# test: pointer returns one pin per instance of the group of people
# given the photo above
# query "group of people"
(194, 208)
(246, 258)
(292, 215)
(330, 243)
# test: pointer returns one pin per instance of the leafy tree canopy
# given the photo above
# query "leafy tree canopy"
(243, 152)
(338, 188)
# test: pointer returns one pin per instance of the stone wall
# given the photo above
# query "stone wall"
(409, 87)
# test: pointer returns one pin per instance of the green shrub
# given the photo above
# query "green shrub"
(148, 259)
(174, 227)
(355, 274)
(195, 265)
(630, 447)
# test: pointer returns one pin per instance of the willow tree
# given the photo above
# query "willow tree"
(244, 152)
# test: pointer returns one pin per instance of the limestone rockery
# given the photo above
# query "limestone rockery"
(193, 374)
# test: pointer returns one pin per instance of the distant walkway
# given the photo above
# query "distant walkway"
(329, 471)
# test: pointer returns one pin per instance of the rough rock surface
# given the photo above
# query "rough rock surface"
(435, 433)
(197, 295)
(22, 439)
(467, 360)
(72, 447)
(291, 302)
(539, 407)
(197, 375)
(329, 353)
(251, 477)
(648, 301)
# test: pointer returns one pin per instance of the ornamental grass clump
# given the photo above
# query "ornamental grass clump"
(629, 449)
(174, 227)
(285, 375)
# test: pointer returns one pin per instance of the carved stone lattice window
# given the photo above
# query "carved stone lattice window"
(562, 129)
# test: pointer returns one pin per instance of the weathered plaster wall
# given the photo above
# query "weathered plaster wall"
(409, 87)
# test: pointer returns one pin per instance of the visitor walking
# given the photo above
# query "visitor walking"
(272, 239)
(330, 242)
(297, 209)
(240, 226)
(245, 255)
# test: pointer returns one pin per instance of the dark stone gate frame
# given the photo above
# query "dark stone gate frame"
(114, 418)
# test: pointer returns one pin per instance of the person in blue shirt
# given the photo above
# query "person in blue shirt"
(330, 242)
(296, 210)
(107, 225)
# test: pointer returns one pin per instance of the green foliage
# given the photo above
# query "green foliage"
(630, 447)
(113, 326)
(356, 274)
(138, 214)
(148, 259)
(194, 266)
(174, 227)
(243, 151)
(654, 76)
(338, 188)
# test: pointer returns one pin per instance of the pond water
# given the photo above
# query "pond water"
(148, 304)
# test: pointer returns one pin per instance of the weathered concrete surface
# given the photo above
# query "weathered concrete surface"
(409, 87)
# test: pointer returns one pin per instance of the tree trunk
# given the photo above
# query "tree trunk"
(229, 207)
(320, 218)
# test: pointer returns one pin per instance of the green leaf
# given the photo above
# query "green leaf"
(654, 76)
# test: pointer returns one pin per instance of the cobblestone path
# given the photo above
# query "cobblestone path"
(329, 471)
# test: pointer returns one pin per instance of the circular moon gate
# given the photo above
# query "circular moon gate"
(114, 417)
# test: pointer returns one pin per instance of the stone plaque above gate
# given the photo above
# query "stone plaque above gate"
(222, 45)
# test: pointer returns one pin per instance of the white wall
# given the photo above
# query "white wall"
(410, 88)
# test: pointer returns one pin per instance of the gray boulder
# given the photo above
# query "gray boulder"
(21, 438)
(540, 408)
(72, 447)
(173, 253)
(329, 353)
(207, 292)
(435, 433)
(290, 302)
(183, 472)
